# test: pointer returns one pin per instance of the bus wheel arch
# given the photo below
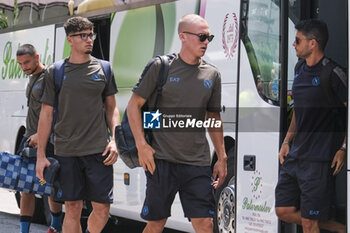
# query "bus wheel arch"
(225, 194)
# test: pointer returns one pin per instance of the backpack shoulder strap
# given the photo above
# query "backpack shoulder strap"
(106, 68)
(298, 65)
(58, 76)
(325, 78)
(341, 75)
(58, 69)
(107, 71)
(162, 77)
(43, 84)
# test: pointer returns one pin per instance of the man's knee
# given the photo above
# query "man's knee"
(309, 224)
(155, 226)
(101, 210)
(55, 207)
(73, 208)
(202, 224)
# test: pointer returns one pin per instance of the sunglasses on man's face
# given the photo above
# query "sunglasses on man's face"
(202, 37)
(298, 40)
(85, 36)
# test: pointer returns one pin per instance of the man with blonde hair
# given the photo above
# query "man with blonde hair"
(179, 162)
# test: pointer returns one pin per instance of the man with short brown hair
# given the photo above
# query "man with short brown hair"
(28, 59)
(314, 148)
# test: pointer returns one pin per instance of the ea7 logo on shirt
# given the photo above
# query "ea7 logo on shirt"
(174, 79)
(314, 212)
(151, 120)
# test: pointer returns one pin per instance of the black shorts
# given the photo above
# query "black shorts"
(49, 147)
(194, 184)
(306, 185)
(84, 178)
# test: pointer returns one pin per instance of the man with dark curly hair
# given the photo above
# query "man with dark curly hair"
(84, 142)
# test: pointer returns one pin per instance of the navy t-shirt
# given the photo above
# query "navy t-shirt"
(318, 134)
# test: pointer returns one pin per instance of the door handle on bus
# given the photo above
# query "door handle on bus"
(249, 162)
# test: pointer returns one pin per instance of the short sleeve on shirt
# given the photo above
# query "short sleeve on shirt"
(148, 80)
(48, 96)
(111, 86)
(338, 85)
(214, 104)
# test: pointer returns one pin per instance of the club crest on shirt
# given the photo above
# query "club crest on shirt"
(316, 81)
(145, 210)
(207, 83)
(96, 76)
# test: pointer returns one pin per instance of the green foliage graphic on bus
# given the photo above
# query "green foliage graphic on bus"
(10, 68)
(66, 49)
(138, 42)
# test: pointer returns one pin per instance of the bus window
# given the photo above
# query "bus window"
(261, 38)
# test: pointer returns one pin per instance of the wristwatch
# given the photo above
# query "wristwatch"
(343, 147)
(285, 142)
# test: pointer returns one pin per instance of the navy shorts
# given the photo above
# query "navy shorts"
(306, 185)
(84, 178)
(194, 184)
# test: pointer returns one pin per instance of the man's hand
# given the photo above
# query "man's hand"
(146, 157)
(220, 172)
(41, 163)
(33, 140)
(283, 152)
(113, 153)
(338, 161)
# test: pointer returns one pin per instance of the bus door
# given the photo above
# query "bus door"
(258, 115)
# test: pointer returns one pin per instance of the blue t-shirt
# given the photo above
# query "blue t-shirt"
(318, 132)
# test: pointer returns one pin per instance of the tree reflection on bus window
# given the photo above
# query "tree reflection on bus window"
(261, 38)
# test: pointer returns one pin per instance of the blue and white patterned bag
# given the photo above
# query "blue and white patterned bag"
(18, 173)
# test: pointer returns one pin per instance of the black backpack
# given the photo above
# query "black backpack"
(123, 135)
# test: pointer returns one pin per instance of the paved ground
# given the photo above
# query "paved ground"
(9, 223)
(9, 214)
(9, 219)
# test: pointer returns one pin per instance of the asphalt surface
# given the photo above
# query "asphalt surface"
(9, 223)
(9, 219)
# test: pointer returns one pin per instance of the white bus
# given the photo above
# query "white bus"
(252, 49)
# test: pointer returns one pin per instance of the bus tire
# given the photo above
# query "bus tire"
(225, 199)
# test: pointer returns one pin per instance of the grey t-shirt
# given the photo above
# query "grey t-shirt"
(81, 128)
(189, 90)
(35, 90)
